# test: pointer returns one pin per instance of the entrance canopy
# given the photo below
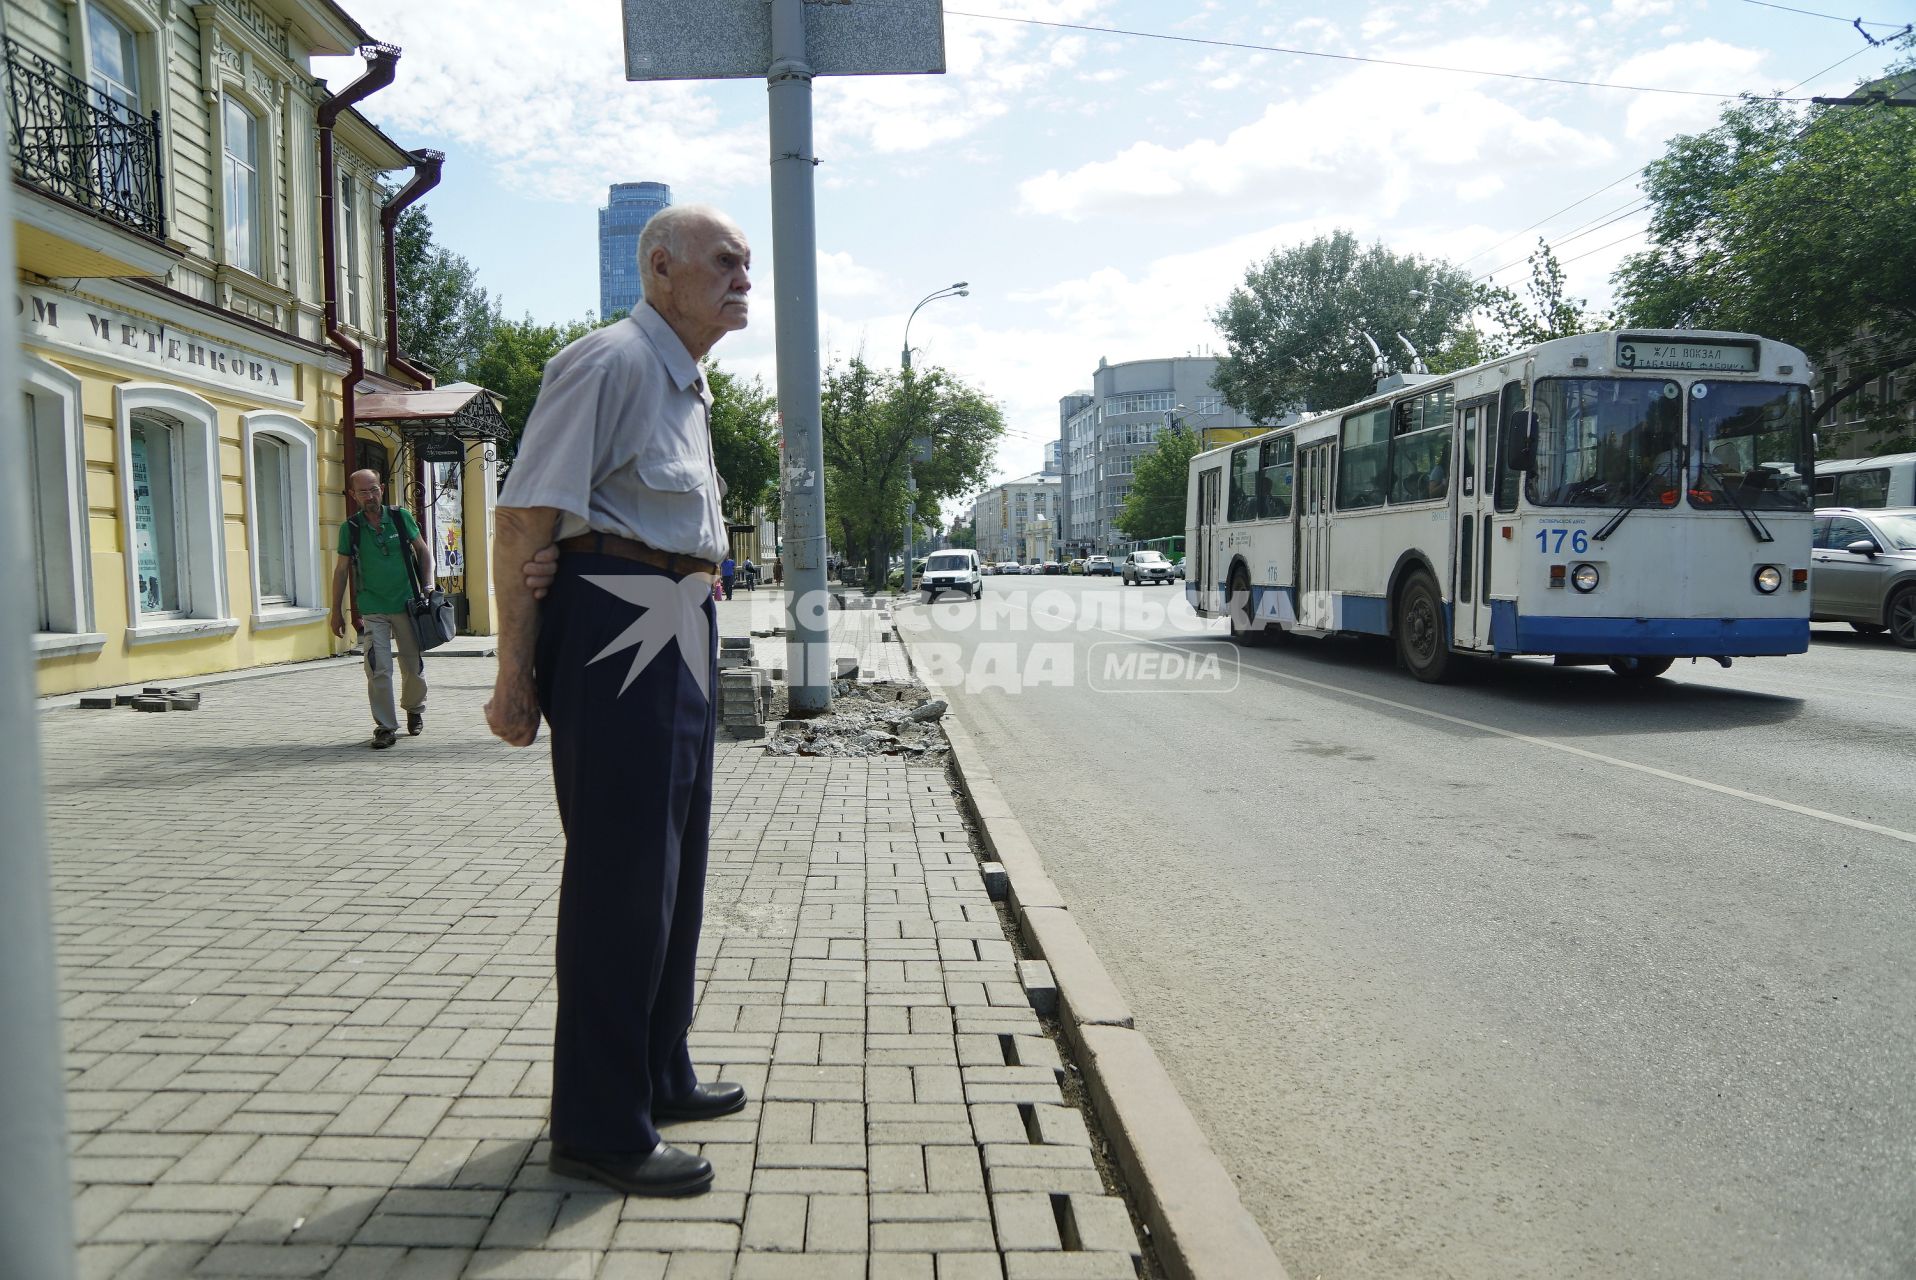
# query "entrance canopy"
(436, 425)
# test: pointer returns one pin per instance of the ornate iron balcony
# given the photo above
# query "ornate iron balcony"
(73, 142)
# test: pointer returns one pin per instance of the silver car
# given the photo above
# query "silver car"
(1863, 570)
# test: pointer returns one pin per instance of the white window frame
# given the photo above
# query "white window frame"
(56, 396)
(199, 499)
(262, 142)
(304, 605)
(349, 285)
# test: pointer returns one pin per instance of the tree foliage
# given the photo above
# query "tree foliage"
(512, 363)
(869, 418)
(1154, 508)
(744, 441)
(1544, 311)
(445, 318)
(1294, 329)
(1796, 224)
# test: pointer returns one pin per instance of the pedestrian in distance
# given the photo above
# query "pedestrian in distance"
(778, 573)
(609, 534)
(728, 572)
(374, 543)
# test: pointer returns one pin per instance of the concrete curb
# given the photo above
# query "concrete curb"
(1198, 1223)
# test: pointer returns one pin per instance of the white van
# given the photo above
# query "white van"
(953, 570)
(1888, 481)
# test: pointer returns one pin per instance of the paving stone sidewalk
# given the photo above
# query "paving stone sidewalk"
(307, 997)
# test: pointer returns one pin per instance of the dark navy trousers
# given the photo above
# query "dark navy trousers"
(632, 766)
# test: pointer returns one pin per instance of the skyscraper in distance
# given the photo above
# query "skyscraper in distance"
(630, 206)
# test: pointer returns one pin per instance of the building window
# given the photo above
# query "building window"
(349, 261)
(1210, 404)
(114, 52)
(241, 145)
(56, 510)
(163, 584)
(174, 536)
(273, 551)
(282, 518)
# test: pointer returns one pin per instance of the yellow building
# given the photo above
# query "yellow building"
(183, 400)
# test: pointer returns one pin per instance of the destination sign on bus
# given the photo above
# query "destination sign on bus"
(1635, 352)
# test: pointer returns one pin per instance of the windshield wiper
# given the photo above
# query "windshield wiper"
(1634, 501)
(1757, 527)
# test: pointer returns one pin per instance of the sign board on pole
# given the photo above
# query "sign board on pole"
(732, 39)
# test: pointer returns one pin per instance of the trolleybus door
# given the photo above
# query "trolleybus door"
(1470, 624)
(1314, 536)
(1203, 568)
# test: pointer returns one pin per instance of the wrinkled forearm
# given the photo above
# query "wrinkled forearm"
(519, 534)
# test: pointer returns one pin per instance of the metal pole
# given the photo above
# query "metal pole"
(808, 656)
(36, 1216)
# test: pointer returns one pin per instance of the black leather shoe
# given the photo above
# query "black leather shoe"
(415, 723)
(707, 1102)
(662, 1171)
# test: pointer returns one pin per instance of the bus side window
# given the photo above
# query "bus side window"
(1274, 478)
(1507, 479)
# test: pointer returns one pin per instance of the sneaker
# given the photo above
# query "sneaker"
(383, 738)
(415, 723)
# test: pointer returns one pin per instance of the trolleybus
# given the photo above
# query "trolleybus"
(1619, 498)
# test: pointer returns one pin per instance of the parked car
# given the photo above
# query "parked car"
(952, 570)
(1009, 566)
(1074, 565)
(1053, 566)
(1141, 567)
(1095, 566)
(1179, 567)
(1863, 570)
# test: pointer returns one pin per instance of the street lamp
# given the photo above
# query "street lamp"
(960, 290)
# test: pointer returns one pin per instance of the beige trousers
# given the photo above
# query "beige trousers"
(382, 630)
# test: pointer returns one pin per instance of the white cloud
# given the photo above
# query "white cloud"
(1369, 138)
(1630, 10)
(1710, 66)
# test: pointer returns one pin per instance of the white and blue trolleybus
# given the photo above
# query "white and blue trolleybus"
(1620, 498)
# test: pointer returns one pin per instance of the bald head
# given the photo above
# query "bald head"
(364, 490)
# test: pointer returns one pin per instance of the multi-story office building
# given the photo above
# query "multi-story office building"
(194, 379)
(1018, 520)
(628, 208)
(1104, 432)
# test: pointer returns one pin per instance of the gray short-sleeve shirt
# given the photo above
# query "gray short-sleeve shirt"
(620, 441)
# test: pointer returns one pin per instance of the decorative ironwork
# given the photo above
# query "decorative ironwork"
(72, 141)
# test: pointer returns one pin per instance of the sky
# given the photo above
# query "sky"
(1101, 193)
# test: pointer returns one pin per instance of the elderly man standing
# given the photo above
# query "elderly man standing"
(373, 545)
(616, 470)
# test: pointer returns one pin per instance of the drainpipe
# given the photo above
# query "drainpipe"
(381, 59)
(425, 176)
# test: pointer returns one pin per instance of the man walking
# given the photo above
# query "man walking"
(616, 469)
(373, 545)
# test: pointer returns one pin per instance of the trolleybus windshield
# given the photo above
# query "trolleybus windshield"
(1607, 442)
(1754, 437)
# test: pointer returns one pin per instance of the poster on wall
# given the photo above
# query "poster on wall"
(146, 551)
(448, 520)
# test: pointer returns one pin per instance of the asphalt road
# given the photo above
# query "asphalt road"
(1539, 974)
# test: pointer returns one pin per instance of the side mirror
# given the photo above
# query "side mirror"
(1520, 441)
(1863, 547)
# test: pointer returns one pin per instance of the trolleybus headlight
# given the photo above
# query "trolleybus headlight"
(1585, 578)
(1768, 579)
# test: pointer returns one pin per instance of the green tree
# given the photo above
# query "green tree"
(1544, 312)
(445, 318)
(1797, 224)
(870, 418)
(744, 441)
(1154, 508)
(513, 361)
(1294, 329)
(963, 534)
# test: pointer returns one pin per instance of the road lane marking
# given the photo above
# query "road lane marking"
(1702, 784)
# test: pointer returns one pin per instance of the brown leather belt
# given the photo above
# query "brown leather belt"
(611, 544)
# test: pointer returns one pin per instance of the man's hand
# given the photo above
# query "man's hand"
(512, 713)
(338, 624)
(541, 570)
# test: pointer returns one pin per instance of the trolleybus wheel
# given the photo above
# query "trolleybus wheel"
(1641, 668)
(1245, 629)
(1901, 615)
(1421, 643)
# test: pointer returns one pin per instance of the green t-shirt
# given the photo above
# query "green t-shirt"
(384, 585)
